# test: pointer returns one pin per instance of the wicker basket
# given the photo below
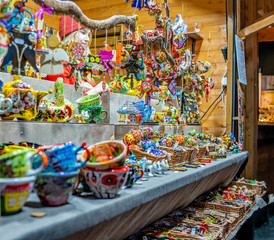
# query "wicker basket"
(219, 205)
(251, 196)
(202, 152)
(192, 154)
(178, 156)
(211, 148)
(232, 220)
(259, 189)
(140, 154)
(224, 226)
(183, 235)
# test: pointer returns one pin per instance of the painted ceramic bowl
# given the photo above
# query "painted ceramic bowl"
(17, 161)
(106, 155)
(54, 189)
(106, 183)
(14, 193)
(89, 100)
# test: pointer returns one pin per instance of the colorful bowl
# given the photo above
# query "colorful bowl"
(54, 189)
(17, 161)
(89, 100)
(14, 193)
(109, 164)
(106, 183)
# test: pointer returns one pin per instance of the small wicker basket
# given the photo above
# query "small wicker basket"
(259, 189)
(177, 156)
(140, 154)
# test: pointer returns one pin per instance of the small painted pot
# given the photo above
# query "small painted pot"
(54, 189)
(106, 183)
(14, 193)
(17, 161)
(112, 163)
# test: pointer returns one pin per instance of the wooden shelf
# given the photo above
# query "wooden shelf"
(265, 123)
(194, 35)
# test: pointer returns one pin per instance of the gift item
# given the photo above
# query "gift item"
(106, 183)
(17, 161)
(59, 109)
(106, 155)
(92, 114)
(55, 188)
(129, 113)
(14, 193)
(25, 99)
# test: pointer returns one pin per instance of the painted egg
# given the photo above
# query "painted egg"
(129, 139)
(147, 144)
(180, 140)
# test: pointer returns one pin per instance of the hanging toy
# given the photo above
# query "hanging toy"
(132, 68)
(136, 38)
(4, 43)
(128, 35)
(106, 58)
(160, 57)
(147, 88)
(77, 50)
(138, 4)
(179, 27)
(154, 10)
(96, 66)
(20, 50)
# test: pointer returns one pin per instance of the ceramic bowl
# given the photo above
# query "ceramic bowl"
(14, 193)
(106, 183)
(89, 100)
(113, 163)
(54, 189)
(16, 161)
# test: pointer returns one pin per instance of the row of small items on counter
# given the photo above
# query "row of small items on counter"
(57, 170)
(211, 216)
(179, 149)
(19, 100)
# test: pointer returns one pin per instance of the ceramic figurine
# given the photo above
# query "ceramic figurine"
(145, 163)
(164, 165)
(5, 103)
(4, 43)
(25, 99)
(154, 169)
(59, 108)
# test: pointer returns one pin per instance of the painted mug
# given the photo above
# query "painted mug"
(5, 104)
(92, 113)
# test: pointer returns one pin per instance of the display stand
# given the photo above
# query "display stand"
(134, 208)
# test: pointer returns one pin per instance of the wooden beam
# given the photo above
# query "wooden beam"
(262, 23)
(266, 35)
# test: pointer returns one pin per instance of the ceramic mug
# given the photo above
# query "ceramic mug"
(92, 113)
(5, 103)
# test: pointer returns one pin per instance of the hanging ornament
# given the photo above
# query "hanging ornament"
(4, 43)
(136, 38)
(106, 58)
(147, 88)
(96, 66)
(128, 35)
(138, 4)
(77, 50)
(160, 57)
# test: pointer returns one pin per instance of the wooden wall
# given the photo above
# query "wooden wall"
(211, 18)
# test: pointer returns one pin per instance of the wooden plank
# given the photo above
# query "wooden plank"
(194, 35)
(259, 25)
(266, 35)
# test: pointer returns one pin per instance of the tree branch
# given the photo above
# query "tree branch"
(62, 7)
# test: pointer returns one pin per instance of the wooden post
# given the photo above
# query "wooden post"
(251, 96)
(229, 66)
